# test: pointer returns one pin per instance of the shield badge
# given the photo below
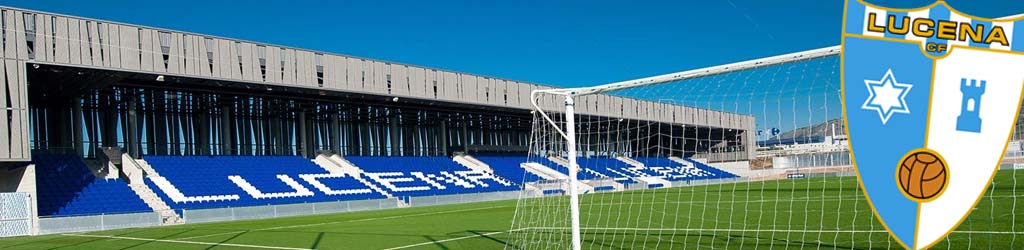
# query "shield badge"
(930, 97)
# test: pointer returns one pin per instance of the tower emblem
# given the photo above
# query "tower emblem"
(969, 120)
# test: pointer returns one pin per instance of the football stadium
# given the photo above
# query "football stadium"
(121, 136)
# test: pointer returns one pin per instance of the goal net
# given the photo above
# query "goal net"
(750, 155)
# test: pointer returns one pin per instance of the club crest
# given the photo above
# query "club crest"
(930, 97)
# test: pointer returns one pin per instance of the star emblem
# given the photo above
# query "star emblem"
(887, 96)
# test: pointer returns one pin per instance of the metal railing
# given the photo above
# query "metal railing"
(419, 201)
(284, 210)
(53, 225)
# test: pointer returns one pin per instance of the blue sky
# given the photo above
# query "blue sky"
(565, 43)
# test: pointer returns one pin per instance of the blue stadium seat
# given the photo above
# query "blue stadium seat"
(554, 192)
(427, 175)
(582, 175)
(198, 182)
(675, 171)
(66, 187)
(510, 168)
(614, 168)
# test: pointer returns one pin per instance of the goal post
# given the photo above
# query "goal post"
(744, 155)
(571, 93)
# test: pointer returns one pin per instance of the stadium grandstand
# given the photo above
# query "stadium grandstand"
(126, 123)
(120, 136)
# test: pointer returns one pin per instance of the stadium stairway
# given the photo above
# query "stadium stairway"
(148, 169)
(584, 173)
(472, 163)
(335, 164)
(630, 161)
(645, 180)
(202, 182)
(625, 172)
(543, 171)
(477, 165)
(167, 215)
(409, 176)
(586, 176)
(102, 169)
(703, 166)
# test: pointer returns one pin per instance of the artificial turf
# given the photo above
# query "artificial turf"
(811, 213)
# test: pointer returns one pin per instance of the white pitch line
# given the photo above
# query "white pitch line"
(210, 235)
(186, 242)
(447, 240)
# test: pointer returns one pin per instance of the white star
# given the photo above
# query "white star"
(887, 97)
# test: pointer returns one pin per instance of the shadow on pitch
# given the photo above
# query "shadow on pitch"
(622, 240)
(161, 238)
(316, 243)
(438, 244)
(491, 238)
(95, 239)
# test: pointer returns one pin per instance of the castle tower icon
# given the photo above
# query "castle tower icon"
(969, 120)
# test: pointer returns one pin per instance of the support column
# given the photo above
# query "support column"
(444, 138)
(76, 126)
(364, 131)
(161, 142)
(201, 119)
(226, 133)
(394, 133)
(335, 133)
(353, 145)
(303, 137)
(108, 123)
(465, 136)
(132, 138)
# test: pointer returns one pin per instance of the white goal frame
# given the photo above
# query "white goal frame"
(571, 93)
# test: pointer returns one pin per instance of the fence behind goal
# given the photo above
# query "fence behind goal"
(786, 182)
(15, 214)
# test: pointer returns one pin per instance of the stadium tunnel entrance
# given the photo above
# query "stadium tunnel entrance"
(82, 110)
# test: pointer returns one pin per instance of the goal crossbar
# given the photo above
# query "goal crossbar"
(689, 74)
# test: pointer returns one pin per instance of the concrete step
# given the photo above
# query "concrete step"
(543, 171)
(473, 164)
(146, 167)
(565, 163)
(150, 197)
(336, 164)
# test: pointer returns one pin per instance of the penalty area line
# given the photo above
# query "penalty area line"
(185, 242)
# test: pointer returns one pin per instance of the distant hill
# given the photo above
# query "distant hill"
(821, 129)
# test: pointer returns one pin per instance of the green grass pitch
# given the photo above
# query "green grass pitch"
(812, 213)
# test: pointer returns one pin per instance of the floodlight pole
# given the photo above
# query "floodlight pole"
(574, 199)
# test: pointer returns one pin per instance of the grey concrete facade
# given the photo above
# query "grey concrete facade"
(31, 37)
